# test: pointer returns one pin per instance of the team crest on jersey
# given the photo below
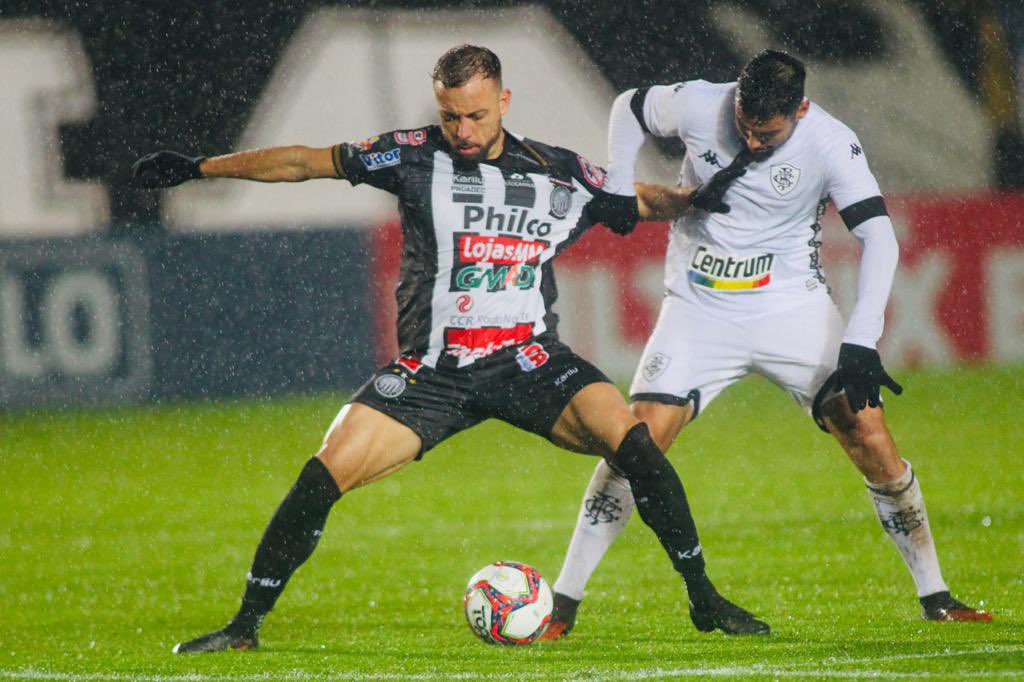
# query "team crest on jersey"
(561, 201)
(390, 385)
(655, 365)
(784, 178)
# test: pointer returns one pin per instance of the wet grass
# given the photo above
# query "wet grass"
(124, 531)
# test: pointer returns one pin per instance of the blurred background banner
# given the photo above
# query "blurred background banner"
(113, 294)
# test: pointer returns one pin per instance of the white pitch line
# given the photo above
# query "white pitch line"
(801, 671)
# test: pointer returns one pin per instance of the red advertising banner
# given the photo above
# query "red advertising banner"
(958, 294)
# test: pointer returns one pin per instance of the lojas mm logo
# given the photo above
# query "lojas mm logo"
(495, 263)
(74, 323)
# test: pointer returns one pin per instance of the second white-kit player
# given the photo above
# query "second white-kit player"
(746, 293)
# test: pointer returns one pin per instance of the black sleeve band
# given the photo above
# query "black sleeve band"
(855, 214)
(637, 105)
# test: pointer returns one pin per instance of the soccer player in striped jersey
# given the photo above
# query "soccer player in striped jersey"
(484, 214)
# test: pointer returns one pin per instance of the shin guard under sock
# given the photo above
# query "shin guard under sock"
(900, 508)
(659, 497)
(290, 538)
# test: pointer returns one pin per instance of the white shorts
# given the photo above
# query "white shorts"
(692, 356)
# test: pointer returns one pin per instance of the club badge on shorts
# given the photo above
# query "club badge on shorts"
(655, 365)
(390, 385)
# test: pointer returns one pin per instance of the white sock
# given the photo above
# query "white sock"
(900, 508)
(606, 508)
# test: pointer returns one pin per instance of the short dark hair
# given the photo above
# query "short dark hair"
(459, 64)
(771, 83)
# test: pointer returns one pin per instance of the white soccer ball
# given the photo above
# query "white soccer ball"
(508, 602)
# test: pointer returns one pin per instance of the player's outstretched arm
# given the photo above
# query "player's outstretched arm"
(272, 164)
(659, 202)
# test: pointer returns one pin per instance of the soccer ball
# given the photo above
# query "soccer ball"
(508, 603)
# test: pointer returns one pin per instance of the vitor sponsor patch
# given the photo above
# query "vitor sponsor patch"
(476, 342)
(531, 356)
(655, 364)
(390, 385)
(729, 273)
(378, 160)
(784, 177)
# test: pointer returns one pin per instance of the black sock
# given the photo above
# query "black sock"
(289, 540)
(662, 504)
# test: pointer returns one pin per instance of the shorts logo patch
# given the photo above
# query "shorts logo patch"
(378, 160)
(784, 178)
(410, 363)
(655, 365)
(531, 357)
(565, 375)
(390, 385)
(561, 201)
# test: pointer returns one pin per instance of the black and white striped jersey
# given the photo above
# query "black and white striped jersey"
(479, 238)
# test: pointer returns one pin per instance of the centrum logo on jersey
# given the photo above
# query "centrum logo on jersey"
(378, 160)
(727, 273)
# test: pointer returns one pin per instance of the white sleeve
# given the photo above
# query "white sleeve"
(880, 253)
(660, 113)
(849, 180)
(625, 137)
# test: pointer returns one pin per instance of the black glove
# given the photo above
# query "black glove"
(165, 169)
(861, 375)
(619, 213)
(708, 195)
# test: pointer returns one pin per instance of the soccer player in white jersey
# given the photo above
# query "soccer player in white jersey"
(745, 293)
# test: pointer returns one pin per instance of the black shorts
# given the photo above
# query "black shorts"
(527, 385)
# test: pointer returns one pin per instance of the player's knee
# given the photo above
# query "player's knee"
(638, 454)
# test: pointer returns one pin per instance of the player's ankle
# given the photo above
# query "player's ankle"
(701, 591)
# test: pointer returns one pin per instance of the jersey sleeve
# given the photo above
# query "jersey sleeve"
(665, 108)
(849, 181)
(376, 161)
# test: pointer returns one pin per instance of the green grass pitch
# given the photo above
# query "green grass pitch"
(124, 531)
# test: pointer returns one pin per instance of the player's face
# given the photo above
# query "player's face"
(471, 117)
(764, 137)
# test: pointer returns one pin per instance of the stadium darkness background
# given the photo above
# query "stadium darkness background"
(184, 75)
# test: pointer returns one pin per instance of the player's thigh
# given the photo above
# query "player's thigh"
(690, 358)
(595, 421)
(549, 390)
(364, 445)
(798, 349)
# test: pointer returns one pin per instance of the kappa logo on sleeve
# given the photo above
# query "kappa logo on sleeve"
(379, 160)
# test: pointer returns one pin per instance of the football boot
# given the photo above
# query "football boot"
(219, 640)
(942, 606)
(722, 614)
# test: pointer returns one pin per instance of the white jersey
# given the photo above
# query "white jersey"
(763, 256)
